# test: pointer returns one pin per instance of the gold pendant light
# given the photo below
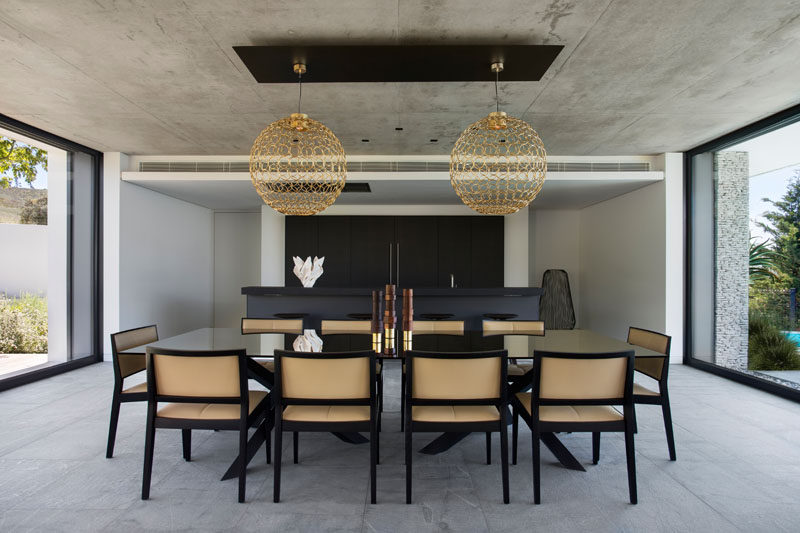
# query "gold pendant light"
(498, 164)
(297, 164)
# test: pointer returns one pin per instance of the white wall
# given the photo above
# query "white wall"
(555, 244)
(623, 262)
(24, 265)
(237, 264)
(166, 262)
(113, 165)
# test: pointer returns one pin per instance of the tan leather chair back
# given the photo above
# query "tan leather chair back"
(345, 327)
(325, 378)
(456, 378)
(124, 340)
(215, 376)
(438, 327)
(513, 327)
(272, 325)
(582, 379)
(650, 366)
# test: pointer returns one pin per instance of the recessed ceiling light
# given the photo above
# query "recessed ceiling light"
(364, 140)
(434, 140)
(398, 129)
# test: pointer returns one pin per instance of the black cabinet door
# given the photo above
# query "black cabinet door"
(487, 251)
(334, 243)
(301, 240)
(417, 242)
(371, 239)
(455, 252)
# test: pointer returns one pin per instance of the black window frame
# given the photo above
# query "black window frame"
(17, 379)
(756, 129)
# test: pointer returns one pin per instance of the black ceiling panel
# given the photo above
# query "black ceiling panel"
(343, 64)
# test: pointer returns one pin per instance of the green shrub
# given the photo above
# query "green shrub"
(23, 324)
(769, 349)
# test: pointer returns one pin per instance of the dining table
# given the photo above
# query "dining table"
(570, 341)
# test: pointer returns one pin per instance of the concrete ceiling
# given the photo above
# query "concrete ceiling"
(237, 194)
(161, 77)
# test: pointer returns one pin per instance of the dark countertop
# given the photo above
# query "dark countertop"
(334, 291)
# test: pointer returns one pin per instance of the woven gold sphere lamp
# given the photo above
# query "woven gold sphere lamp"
(297, 165)
(498, 164)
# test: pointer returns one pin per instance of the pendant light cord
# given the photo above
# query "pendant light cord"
(496, 96)
(300, 96)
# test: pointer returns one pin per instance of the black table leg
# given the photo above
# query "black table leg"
(350, 438)
(561, 452)
(253, 445)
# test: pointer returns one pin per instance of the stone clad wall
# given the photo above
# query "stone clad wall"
(731, 182)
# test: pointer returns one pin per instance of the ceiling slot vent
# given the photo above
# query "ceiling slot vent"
(356, 187)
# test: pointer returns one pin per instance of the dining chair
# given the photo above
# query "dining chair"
(424, 327)
(126, 365)
(274, 326)
(204, 390)
(577, 393)
(360, 327)
(325, 391)
(457, 392)
(658, 369)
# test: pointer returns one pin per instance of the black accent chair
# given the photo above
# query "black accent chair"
(126, 365)
(457, 392)
(205, 390)
(658, 369)
(325, 391)
(574, 393)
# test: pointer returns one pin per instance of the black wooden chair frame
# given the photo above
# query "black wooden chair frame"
(663, 393)
(118, 397)
(500, 402)
(538, 427)
(258, 418)
(295, 427)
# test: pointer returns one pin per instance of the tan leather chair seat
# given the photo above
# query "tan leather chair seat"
(141, 387)
(571, 413)
(270, 365)
(454, 413)
(643, 391)
(209, 411)
(326, 413)
(519, 369)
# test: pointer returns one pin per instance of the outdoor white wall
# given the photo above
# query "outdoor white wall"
(237, 264)
(56, 255)
(24, 265)
(623, 263)
(555, 244)
(166, 262)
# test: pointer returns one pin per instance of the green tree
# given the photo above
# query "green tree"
(783, 226)
(764, 262)
(34, 212)
(19, 162)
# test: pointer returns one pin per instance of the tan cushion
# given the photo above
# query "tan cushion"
(131, 363)
(650, 366)
(341, 327)
(141, 387)
(272, 325)
(454, 413)
(438, 327)
(644, 391)
(203, 376)
(326, 413)
(456, 378)
(649, 339)
(269, 364)
(325, 377)
(566, 379)
(513, 327)
(520, 369)
(571, 413)
(135, 337)
(209, 411)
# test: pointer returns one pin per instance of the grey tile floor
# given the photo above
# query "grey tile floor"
(738, 468)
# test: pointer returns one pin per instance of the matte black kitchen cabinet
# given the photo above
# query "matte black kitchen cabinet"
(423, 251)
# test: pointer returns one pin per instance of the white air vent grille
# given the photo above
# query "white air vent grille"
(382, 166)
